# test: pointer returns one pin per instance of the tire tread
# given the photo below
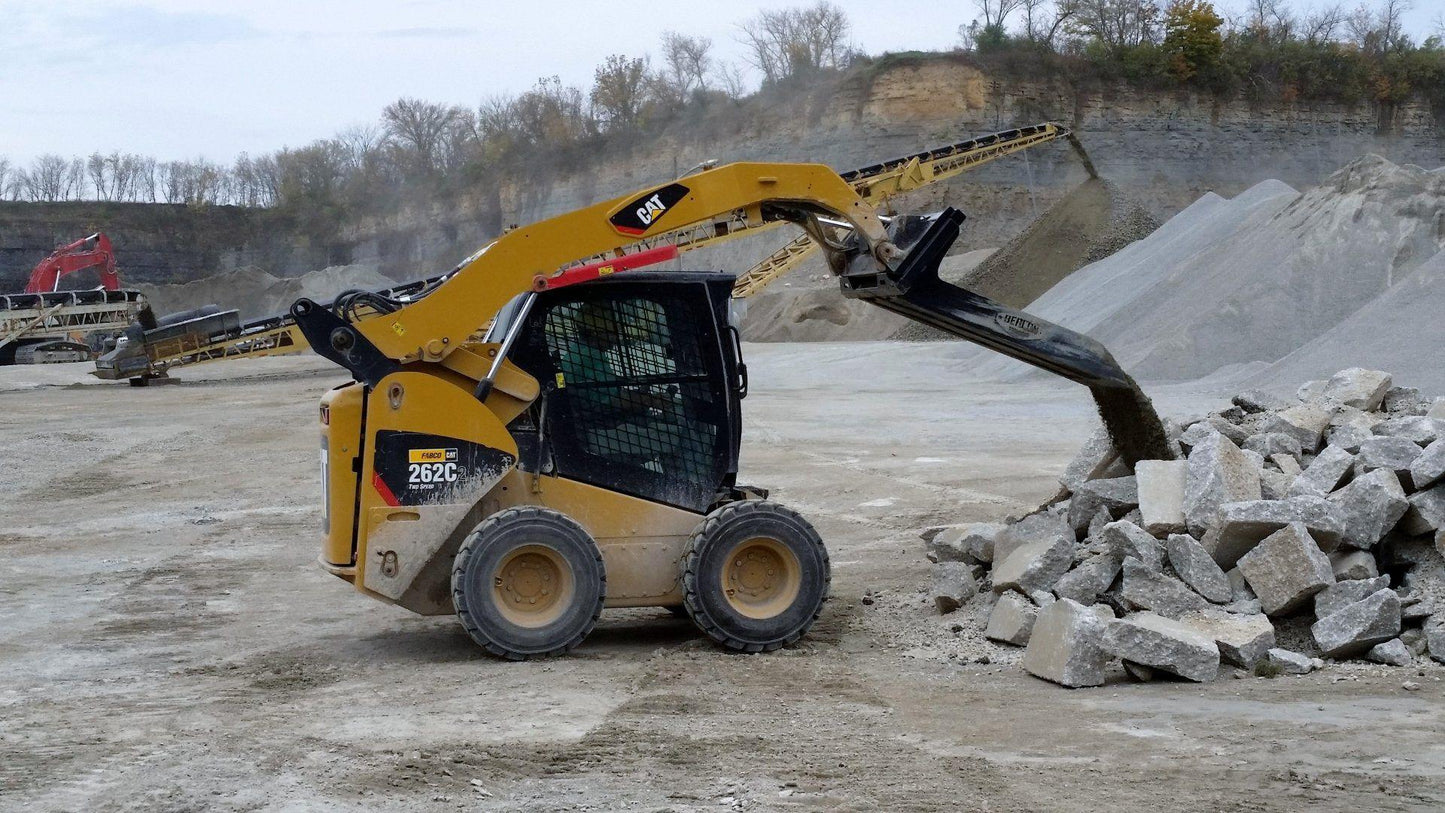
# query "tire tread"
(526, 513)
(709, 526)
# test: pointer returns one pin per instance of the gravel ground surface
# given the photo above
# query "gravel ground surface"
(169, 644)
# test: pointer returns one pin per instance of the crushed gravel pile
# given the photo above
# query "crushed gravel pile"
(1402, 329)
(1092, 222)
(1253, 279)
(1288, 533)
(256, 293)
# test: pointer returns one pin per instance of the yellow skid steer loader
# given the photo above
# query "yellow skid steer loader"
(583, 452)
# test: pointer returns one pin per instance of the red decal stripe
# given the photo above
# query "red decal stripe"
(382, 489)
(616, 265)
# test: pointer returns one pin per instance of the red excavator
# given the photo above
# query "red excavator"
(88, 252)
(46, 324)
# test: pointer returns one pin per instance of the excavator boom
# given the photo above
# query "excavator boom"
(89, 252)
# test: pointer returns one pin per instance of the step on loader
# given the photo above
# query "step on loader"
(583, 452)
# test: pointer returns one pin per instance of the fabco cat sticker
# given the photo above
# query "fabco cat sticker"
(636, 217)
(415, 468)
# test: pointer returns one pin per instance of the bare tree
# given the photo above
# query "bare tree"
(687, 62)
(195, 183)
(1379, 31)
(996, 12)
(147, 180)
(74, 180)
(1322, 24)
(5, 178)
(497, 118)
(1117, 24)
(1392, 24)
(731, 79)
(124, 173)
(99, 173)
(1270, 20)
(1043, 19)
(460, 141)
(268, 180)
(790, 42)
(551, 113)
(360, 145)
(245, 186)
(45, 180)
(421, 127)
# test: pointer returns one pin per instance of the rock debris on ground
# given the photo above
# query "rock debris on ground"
(1216, 558)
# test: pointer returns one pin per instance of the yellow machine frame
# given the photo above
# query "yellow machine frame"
(402, 554)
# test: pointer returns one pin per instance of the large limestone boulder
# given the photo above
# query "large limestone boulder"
(1064, 645)
(1034, 566)
(1243, 640)
(1359, 388)
(1242, 525)
(953, 585)
(1044, 526)
(1356, 627)
(1370, 505)
(1286, 570)
(1012, 619)
(1089, 579)
(1145, 588)
(1161, 494)
(1197, 568)
(1324, 473)
(1164, 644)
(1218, 472)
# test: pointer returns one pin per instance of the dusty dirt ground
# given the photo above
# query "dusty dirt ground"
(168, 644)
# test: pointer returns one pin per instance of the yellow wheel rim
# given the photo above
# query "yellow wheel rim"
(533, 586)
(761, 578)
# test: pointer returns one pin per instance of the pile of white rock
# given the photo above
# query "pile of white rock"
(1325, 514)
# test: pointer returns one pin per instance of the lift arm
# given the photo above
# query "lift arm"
(431, 328)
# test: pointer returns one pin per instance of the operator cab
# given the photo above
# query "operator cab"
(641, 378)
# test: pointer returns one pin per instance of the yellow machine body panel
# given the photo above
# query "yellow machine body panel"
(429, 453)
(341, 418)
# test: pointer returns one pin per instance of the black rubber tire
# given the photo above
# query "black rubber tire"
(140, 382)
(706, 556)
(475, 570)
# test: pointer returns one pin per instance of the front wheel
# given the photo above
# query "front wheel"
(755, 575)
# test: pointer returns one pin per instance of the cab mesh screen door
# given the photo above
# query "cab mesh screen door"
(638, 406)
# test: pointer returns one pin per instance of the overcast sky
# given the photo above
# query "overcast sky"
(186, 78)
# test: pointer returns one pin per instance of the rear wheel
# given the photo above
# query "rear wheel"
(528, 582)
(755, 576)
